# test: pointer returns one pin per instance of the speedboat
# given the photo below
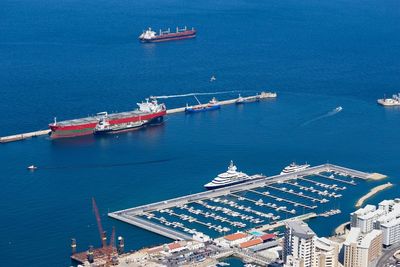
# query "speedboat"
(230, 177)
(338, 109)
(32, 167)
(213, 78)
(293, 167)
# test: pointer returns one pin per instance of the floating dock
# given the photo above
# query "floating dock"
(226, 211)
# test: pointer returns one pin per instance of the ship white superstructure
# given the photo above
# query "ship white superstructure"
(293, 167)
(230, 177)
(394, 101)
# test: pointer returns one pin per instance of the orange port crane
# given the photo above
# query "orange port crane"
(103, 237)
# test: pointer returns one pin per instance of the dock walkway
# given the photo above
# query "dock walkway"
(17, 137)
(22, 136)
(131, 215)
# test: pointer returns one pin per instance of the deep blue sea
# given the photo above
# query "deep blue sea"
(72, 58)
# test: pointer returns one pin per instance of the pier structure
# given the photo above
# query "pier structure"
(137, 216)
(18, 137)
(22, 136)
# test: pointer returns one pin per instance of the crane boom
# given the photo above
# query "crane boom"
(99, 226)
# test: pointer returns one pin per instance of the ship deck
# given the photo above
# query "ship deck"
(95, 118)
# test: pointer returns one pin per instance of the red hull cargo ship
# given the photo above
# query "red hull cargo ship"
(151, 36)
(148, 112)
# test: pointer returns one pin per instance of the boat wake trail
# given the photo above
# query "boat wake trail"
(110, 165)
(330, 113)
(196, 94)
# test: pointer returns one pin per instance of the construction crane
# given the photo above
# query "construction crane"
(102, 233)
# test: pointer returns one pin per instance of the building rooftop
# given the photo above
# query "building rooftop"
(366, 209)
(268, 236)
(391, 223)
(368, 238)
(370, 215)
(251, 243)
(352, 236)
(300, 228)
(235, 236)
(324, 243)
(174, 245)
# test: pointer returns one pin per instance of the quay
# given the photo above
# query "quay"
(23, 136)
(18, 137)
(137, 215)
(225, 102)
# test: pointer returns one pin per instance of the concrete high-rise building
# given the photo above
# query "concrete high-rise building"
(390, 232)
(360, 212)
(362, 250)
(299, 247)
(326, 253)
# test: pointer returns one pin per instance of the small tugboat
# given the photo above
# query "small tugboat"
(212, 105)
(104, 126)
(293, 167)
(32, 167)
(394, 101)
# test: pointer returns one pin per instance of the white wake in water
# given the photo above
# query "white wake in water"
(196, 94)
(329, 114)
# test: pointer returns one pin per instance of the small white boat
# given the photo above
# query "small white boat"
(213, 78)
(338, 109)
(32, 167)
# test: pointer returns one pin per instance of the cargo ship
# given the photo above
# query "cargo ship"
(150, 36)
(148, 112)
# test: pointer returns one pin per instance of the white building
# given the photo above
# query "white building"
(360, 212)
(385, 218)
(366, 222)
(299, 247)
(390, 232)
(362, 250)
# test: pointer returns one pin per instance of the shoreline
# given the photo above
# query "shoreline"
(372, 192)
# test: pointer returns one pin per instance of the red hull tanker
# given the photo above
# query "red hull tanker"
(147, 112)
(150, 36)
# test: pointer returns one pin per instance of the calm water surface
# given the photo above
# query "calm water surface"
(72, 58)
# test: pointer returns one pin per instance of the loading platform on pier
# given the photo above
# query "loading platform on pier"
(23, 136)
(241, 206)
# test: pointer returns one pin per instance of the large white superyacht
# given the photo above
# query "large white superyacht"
(293, 167)
(230, 177)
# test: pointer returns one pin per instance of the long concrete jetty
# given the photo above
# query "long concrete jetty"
(131, 215)
(227, 102)
(17, 137)
(22, 136)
